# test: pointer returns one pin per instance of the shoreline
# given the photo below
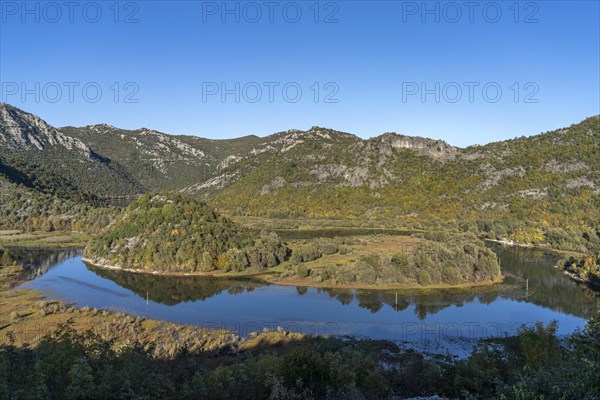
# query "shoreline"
(298, 282)
(29, 316)
(511, 243)
(268, 276)
(389, 287)
(557, 252)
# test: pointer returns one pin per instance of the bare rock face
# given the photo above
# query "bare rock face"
(493, 177)
(349, 176)
(20, 131)
(275, 184)
(437, 149)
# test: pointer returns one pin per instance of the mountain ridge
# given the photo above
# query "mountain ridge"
(547, 180)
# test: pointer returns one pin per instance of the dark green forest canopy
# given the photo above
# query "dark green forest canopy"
(29, 209)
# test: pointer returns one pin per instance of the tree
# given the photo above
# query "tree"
(36, 385)
(302, 271)
(236, 260)
(81, 381)
(207, 261)
(424, 278)
(197, 389)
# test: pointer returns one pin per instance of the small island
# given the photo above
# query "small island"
(176, 234)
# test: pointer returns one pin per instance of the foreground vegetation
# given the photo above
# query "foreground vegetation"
(535, 364)
(51, 350)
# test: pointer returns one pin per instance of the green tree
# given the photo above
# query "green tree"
(81, 381)
(424, 278)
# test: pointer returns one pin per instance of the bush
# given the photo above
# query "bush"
(5, 257)
(424, 278)
(296, 258)
(367, 275)
(344, 250)
(324, 274)
(302, 271)
(306, 252)
(402, 263)
(236, 260)
(450, 273)
(327, 246)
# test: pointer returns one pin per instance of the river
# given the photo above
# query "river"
(432, 320)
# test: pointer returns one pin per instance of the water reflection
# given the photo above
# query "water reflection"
(548, 287)
(172, 290)
(39, 260)
(246, 305)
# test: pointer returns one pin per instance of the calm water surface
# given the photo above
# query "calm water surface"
(440, 320)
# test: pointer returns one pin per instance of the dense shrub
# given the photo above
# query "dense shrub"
(302, 271)
(424, 278)
(5, 257)
(461, 258)
(584, 268)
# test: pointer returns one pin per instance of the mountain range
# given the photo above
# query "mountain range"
(552, 179)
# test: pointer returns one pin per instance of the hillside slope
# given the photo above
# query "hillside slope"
(543, 188)
(324, 173)
(39, 156)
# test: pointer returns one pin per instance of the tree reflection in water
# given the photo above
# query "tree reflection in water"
(548, 287)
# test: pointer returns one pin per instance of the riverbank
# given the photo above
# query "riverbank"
(27, 317)
(583, 268)
(274, 276)
(49, 240)
(511, 243)
(564, 254)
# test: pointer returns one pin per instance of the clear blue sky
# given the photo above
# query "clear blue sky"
(376, 55)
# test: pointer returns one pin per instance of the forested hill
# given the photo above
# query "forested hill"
(323, 173)
(170, 232)
(522, 188)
